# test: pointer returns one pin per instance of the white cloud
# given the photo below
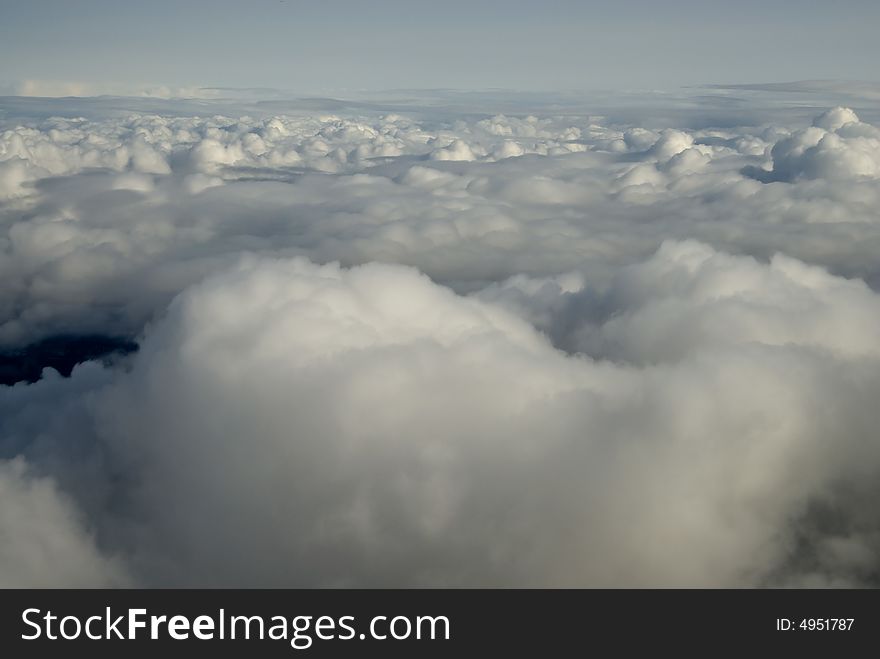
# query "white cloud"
(458, 150)
(837, 146)
(560, 350)
(368, 427)
(835, 119)
(204, 190)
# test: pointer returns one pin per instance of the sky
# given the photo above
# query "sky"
(437, 338)
(313, 47)
(422, 346)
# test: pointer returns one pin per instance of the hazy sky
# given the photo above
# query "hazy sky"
(351, 44)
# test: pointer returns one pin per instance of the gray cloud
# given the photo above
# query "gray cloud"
(44, 542)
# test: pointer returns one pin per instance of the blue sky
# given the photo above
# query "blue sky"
(345, 44)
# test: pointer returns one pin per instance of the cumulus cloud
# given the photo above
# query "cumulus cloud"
(107, 220)
(42, 541)
(837, 147)
(427, 348)
(368, 427)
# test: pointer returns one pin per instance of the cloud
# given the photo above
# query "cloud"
(458, 150)
(835, 119)
(368, 427)
(837, 147)
(13, 174)
(55, 88)
(533, 196)
(433, 348)
(43, 541)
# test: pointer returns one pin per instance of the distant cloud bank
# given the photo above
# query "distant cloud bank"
(59, 89)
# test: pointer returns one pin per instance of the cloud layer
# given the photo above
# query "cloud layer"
(390, 350)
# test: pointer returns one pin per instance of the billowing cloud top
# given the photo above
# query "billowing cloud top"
(383, 349)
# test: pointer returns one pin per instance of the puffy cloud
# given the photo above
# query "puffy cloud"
(42, 541)
(368, 427)
(13, 174)
(458, 150)
(670, 143)
(835, 119)
(134, 209)
(837, 146)
(541, 350)
(687, 297)
(508, 149)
